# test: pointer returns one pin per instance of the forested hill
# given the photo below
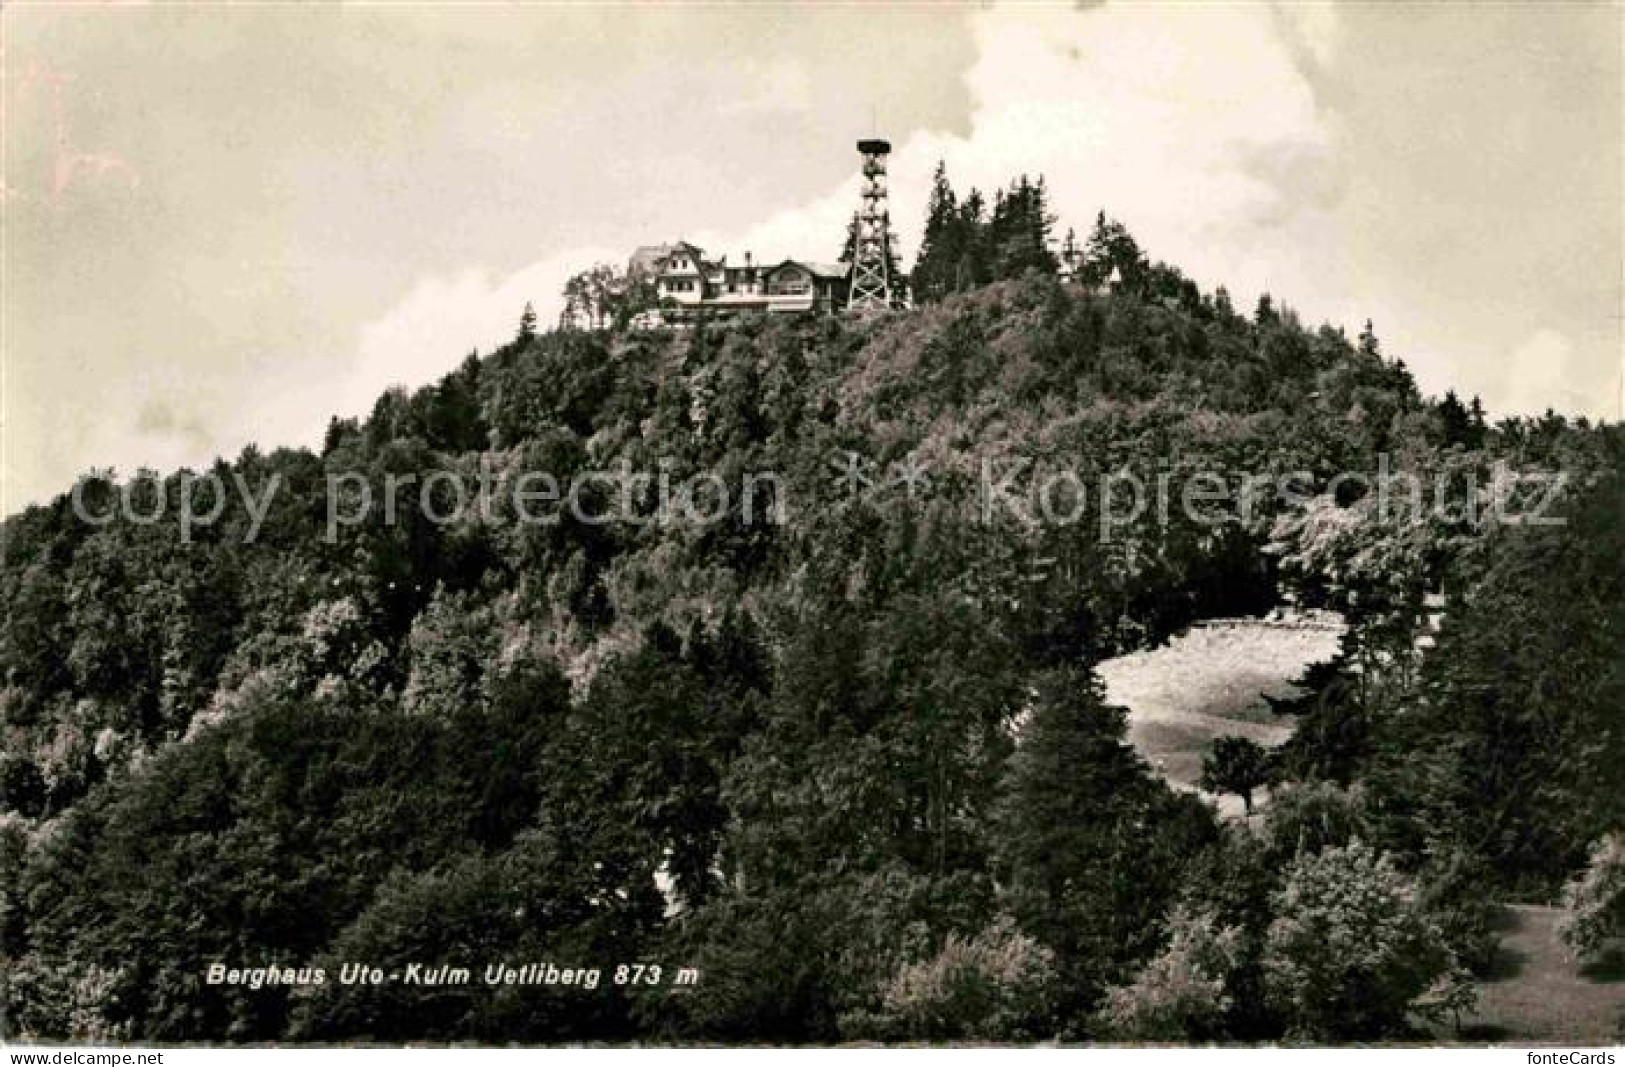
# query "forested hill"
(302, 736)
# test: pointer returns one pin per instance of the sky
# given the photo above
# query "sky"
(224, 224)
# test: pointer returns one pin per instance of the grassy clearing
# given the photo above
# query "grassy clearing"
(1210, 682)
(1542, 995)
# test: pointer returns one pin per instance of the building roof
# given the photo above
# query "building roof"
(656, 259)
(822, 270)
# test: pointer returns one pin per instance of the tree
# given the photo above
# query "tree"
(940, 245)
(1112, 248)
(22, 789)
(1071, 254)
(577, 311)
(1350, 952)
(1452, 995)
(1236, 765)
(452, 645)
(521, 905)
(849, 245)
(1369, 345)
(1266, 315)
(1515, 755)
(527, 324)
(1456, 421)
(1019, 232)
(1092, 843)
(601, 296)
(1313, 815)
(972, 243)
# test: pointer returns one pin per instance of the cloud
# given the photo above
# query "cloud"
(413, 344)
(1543, 373)
(1310, 33)
(1205, 128)
(1244, 142)
(443, 318)
(158, 418)
(782, 86)
(1194, 125)
(1197, 127)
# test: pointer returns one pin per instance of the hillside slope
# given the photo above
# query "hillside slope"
(312, 731)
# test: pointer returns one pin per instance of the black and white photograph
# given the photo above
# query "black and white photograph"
(833, 525)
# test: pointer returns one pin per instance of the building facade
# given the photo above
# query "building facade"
(687, 284)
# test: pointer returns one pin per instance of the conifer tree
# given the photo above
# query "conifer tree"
(940, 249)
(1040, 225)
(1368, 341)
(1091, 843)
(1111, 247)
(1476, 423)
(1071, 254)
(972, 244)
(849, 247)
(1456, 422)
(1019, 232)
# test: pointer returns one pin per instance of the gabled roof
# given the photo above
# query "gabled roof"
(656, 259)
(828, 270)
(821, 270)
(689, 251)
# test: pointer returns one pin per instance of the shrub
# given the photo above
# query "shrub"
(1351, 950)
(991, 987)
(1596, 899)
(1182, 994)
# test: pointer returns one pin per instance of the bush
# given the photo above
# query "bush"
(1309, 817)
(1596, 900)
(1351, 951)
(991, 987)
(1182, 995)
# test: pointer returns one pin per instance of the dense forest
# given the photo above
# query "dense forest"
(850, 769)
